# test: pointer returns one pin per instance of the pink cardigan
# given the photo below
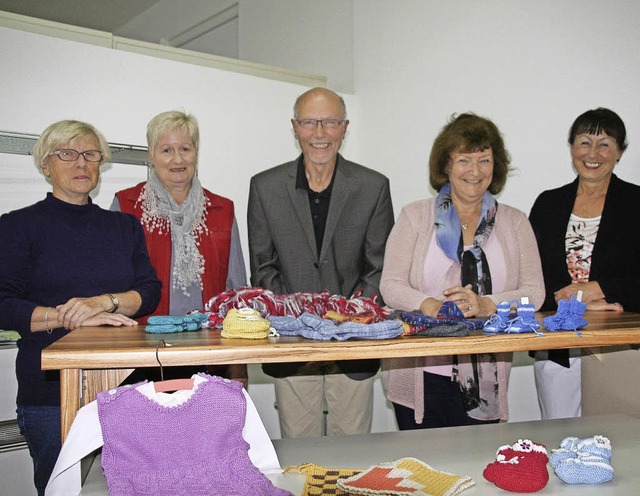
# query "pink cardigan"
(401, 285)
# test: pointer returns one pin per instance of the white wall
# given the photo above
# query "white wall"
(531, 66)
(310, 37)
(244, 120)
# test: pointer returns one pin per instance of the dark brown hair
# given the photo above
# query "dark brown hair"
(468, 133)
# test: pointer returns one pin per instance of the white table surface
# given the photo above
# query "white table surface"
(458, 450)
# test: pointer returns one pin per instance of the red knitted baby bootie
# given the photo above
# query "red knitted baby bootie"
(520, 468)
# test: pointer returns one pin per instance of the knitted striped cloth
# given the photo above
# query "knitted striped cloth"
(245, 324)
(322, 481)
(405, 477)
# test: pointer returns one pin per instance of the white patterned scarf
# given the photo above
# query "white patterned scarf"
(186, 223)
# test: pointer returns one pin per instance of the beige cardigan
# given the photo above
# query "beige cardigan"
(401, 285)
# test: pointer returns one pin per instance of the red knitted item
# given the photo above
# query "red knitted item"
(520, 468)
(270, 304)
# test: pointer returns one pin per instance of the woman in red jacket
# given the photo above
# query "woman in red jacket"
(192, 235)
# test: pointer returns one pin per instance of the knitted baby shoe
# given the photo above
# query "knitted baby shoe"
(525, 321)
(596, 445)
(499, 321)
(520, 468)
(567, 450)
(569, 316)
(590, 465)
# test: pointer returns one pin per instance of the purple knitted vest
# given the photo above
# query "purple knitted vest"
(192, 449)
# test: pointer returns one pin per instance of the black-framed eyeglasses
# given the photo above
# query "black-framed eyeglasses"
(69, 155)
(313, 123)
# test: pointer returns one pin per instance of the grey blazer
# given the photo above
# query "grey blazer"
(283, 253)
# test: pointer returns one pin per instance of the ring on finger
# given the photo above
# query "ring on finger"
(470, 306)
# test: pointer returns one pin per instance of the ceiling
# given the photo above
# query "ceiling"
(208, 26)
(104, 15)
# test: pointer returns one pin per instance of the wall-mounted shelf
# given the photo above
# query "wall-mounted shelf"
(22, 144)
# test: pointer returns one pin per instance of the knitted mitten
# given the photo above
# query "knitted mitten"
(590, 463)
(520, 468)
(406, 476)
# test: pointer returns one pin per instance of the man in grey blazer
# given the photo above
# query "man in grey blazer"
(320, 223)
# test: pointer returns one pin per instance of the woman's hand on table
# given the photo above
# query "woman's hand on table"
(470, 303)
(112, 319)
(430, 306)
(602, 305)
(591, 291)
(76, 311)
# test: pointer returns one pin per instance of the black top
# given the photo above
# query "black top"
(53, 251)
(318, 201)
(615, 261)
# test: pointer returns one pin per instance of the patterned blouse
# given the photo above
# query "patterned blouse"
(579, 242)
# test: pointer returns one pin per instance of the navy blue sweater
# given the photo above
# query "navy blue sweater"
(53, 251)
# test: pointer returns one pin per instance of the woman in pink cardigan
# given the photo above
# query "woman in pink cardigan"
(462, 247)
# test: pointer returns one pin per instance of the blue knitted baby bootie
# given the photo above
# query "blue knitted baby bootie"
(590, 463)
(569, 315)
(525, 320)
(499, 321)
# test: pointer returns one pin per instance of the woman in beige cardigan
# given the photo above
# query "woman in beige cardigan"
(462, 247)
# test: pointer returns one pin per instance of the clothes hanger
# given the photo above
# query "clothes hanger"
(169, 385)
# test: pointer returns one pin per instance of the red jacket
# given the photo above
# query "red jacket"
(214, 245)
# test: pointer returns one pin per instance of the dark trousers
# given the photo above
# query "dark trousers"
(40, 426)
(443, 406)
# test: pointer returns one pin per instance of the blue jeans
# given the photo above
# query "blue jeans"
(40, 425)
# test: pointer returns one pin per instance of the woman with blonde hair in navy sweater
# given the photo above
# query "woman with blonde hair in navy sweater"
(66, 263)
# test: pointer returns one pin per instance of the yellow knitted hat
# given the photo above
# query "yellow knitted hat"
(245, 323)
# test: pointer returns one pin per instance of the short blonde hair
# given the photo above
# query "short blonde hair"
(172, 121)
(61, 133)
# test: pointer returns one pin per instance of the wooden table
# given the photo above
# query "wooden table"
(92, 359)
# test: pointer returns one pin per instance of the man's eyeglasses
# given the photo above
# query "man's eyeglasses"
(313, 123)
(69, 155)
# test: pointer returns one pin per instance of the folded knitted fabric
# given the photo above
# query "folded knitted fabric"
(583, 461)
(361, 318)
(313, 327)
(569, 316)
(245, 323)
(161, 324)
(519, 468)
(445, 330)
(448, 315)
(322, 481)
(406, 477)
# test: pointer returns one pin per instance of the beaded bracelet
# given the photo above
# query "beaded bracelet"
(46, 321)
